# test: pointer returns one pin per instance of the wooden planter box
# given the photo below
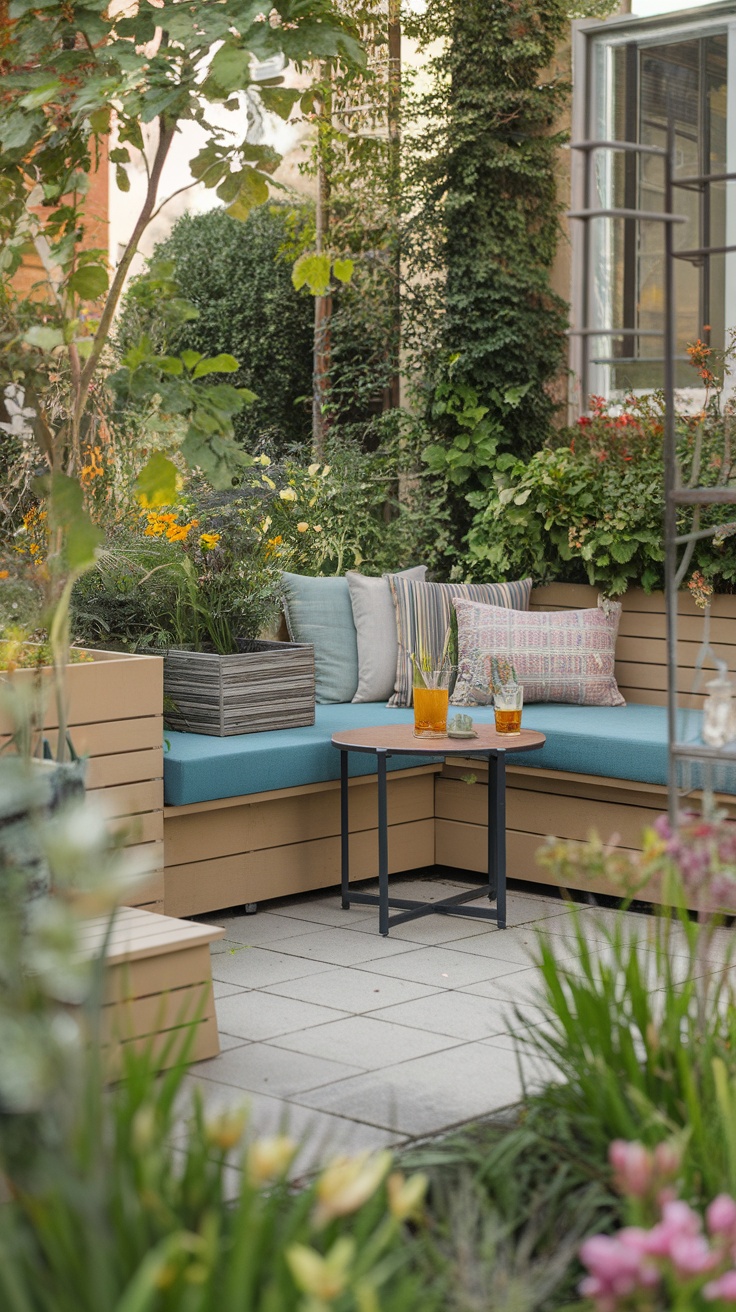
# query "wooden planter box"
(269, 687)
(115, 717)
(158, 988)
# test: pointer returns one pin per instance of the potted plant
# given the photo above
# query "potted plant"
(199, 581)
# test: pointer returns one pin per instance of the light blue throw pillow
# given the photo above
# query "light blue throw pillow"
(319, 610)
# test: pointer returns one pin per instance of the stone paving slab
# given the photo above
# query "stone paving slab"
(381, 1040)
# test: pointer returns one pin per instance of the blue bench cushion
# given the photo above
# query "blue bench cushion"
(199, 769)
(623, 742)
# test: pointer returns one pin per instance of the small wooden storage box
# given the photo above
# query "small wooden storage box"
(270, 686)
(158, 986)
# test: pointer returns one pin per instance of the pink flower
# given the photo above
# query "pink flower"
(667, 1160)
(616, 1270)
(724, 1288)
(691, 1256)
(720, 1217)
(632, 1168)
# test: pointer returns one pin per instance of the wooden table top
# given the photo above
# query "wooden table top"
(400, 738)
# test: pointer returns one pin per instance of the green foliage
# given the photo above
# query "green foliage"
(355, 161)
(135, 1198)
(241, 301)
(483, 229)
(162, 580)
(205, 410)
(363, 510)
(199, 574)
(510, 1200)
(634, 1028)
(641, 1016)
(591, 510)
(471, 456)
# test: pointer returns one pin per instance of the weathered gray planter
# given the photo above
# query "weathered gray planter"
(31, 792)
(268, 686)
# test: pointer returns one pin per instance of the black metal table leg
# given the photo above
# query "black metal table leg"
(382, 845)
(497, 835)
(344, 833)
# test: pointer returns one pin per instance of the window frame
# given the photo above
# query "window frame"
(592, 41)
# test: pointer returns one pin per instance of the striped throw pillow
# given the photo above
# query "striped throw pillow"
(424, 612)
(558, 655)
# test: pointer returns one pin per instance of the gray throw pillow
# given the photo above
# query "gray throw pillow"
(374, 616)
(318, 610)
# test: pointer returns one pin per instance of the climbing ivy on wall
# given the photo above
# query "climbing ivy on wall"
(484, 227)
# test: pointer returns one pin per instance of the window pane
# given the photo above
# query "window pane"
(645, 87)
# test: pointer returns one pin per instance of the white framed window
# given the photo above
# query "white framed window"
(631, 77)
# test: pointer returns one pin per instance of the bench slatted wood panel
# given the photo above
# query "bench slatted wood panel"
(219, 854)
(116, 720)
(641, 650)
(158, 987)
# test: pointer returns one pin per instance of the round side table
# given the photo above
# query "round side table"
(399, 740)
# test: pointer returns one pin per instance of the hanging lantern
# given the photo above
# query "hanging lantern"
(719, 715)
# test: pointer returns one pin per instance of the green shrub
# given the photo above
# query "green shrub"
(640, 1022)
(208, 569)
(590, 511)
(238, 276)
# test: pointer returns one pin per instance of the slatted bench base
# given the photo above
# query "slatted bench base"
(247, 849)
(543, 802)
(158, 987)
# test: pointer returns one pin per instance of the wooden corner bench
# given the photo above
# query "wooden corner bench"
(265, 821)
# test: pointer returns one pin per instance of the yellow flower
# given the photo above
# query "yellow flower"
(4, 573)
(179, 532)
(326, 470)
(317, 528)
(287, 494)
(322, 1277)
(265, 526)
(209, 540)
(313, 469)
(264, 460)
(269, 482)
(405, 1197)
(273, 545)
(226, 1130)
(347, 1183)
(269, 1159)
(302, 528)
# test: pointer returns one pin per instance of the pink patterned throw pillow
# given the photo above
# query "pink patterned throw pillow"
(558, 655)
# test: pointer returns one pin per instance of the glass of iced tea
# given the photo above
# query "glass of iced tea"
(507, 703)
(431, 699)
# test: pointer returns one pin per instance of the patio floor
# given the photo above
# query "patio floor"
(351, 1041)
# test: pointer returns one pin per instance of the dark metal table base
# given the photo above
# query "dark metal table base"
(495, 888)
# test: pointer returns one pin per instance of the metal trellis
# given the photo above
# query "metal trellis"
(681, 751)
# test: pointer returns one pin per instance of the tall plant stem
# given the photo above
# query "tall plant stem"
(165, 138)
(392, 397)
(322, 304)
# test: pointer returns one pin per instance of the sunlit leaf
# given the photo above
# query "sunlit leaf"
(216, 364)
(89, 282)
(156, 484)
(343, 270)
(253, 191)
(46, 338)
(313, 271)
